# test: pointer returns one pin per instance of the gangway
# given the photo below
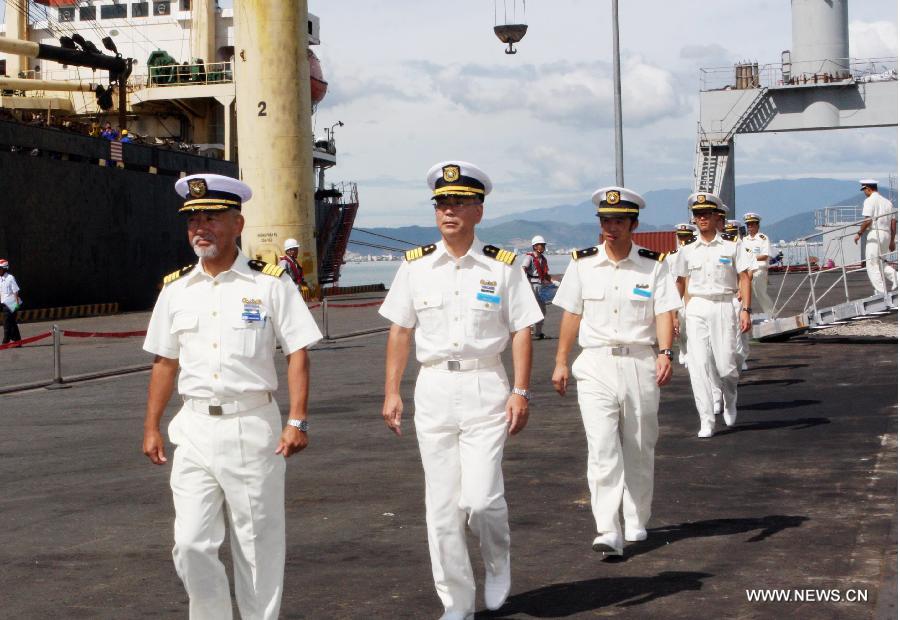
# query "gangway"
(832, 293)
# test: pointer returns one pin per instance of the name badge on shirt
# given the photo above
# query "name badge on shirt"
(642, 290)
(491, 299)
(251, 312)
(725, 260)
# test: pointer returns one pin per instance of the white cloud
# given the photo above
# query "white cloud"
(873, 39)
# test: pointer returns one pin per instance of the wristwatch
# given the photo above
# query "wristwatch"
(300, 425)
(666, 352)
(523, 393)
(747, 310)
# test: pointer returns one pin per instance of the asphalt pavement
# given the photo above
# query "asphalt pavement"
(801, 495)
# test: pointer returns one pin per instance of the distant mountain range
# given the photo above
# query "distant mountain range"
(787, 208)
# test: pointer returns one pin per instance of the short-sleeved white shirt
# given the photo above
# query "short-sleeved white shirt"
(461, 308)
(759, 246)
(712, 267)
(618, 302)
(210, 325)
(878, 207)
(8, 289)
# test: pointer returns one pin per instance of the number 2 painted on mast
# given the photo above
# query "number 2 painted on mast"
(262, 108)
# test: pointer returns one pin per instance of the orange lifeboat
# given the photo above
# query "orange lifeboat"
(317, 84)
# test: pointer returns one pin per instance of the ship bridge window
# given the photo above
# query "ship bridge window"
(87, 13)
(140, 9)
(162, 7)
(67, 14)
(185, 5)
(114, 11)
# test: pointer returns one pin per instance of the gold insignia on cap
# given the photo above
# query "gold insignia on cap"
(197, 187)
(701, 198)
(451, 173)
(613, 197)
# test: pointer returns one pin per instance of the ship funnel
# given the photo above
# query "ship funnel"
(821, 40)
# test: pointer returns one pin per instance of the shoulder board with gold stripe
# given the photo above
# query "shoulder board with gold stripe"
(728, 236)
(504, 256)
(266, 268)
(419, 252)
(177, 274)
(762, 236)
(657, 256)
(576, 254)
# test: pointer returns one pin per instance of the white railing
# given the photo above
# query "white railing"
(810, 251)
(771, 74)
(184, 75)
(838, 216)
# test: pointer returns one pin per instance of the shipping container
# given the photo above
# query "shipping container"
(662, 241)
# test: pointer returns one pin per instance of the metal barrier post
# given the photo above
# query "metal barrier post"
(325, 317)
(57, 360)
(812, 288)
(844, 269)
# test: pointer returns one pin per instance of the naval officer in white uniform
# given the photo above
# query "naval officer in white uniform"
(710, 272)
(218, 321)
(465, 300)
(761, 248)
(618, 300)
(882, 227)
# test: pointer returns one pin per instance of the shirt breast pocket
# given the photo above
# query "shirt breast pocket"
(640, 304)
(245, 337)
(594, 307)
(485, 319)
(429, 311)
(184, 327)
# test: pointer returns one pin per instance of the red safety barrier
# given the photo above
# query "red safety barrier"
(74, 334)
(366, 305)
(28, 340)
(313, 307)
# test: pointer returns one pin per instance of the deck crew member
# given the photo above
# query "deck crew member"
(538, 272)
(464, 299)
(710, 271)
(882, 227)
(684, 235)
(618, 299)
(291, 265)
(9, 303)
(219, 321)
(758, 243)
(732, 232)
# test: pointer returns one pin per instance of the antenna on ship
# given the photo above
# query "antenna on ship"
(513, 27)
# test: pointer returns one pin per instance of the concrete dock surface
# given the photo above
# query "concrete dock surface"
(801, 495)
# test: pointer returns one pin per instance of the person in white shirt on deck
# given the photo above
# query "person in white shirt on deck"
(882, 227)
(710, 272)
(618, 299)
(466, 301)
(215, 326)
(759, 245)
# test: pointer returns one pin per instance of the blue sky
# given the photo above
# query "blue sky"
(417, 82)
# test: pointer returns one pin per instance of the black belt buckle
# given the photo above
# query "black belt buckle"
(453, 365)
(215, 410)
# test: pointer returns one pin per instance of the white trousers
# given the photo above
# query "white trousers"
(742, 342)
(876, 247)
(461, 427)
(229, 463)
(619, 400)
(712, 359)
(682, 337)
(760, 290)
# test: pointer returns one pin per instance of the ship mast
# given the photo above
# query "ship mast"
(274, 129)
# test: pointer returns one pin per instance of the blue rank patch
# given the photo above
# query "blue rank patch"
(725, 260)
(491, 299)
(642, 292)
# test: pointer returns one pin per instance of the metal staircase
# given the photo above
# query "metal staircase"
(335, 212)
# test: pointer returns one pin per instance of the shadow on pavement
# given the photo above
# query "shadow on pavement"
(784, 382)
(669, 534)
(777, 367)
(798, 425)
(781, 404)
(565, 599)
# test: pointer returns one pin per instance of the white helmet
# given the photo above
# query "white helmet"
(290, 244)
(537, 239)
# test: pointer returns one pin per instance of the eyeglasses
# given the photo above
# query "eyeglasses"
(704, 214)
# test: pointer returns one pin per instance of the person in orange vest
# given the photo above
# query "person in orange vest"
(290, 263)
(538, 272)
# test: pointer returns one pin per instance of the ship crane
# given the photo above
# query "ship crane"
(513, 28)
